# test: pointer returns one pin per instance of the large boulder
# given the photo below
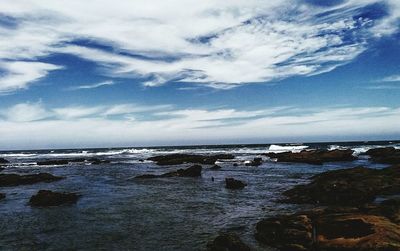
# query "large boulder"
(333, 229)
(16, 180)
(232, 183)
(351, 186)
(193, 171)
(177, 159)
(227, 242)
(3, 161)
(46, 198)
(315, 157)
(385, 155)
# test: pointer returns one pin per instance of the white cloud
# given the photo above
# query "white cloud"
(217, 43)
(92, 86)
(393, 78)
(18, 74)
(25, 112)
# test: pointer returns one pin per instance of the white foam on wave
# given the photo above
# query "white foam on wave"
(288, 148)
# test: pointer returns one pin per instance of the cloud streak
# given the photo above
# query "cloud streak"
(92, 86)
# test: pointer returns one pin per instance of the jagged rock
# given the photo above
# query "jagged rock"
(2, 196)
(16, 180)
(333, 229)
(46, 198)
(385, 155)
(95, 161)
(315, 157)
(193, 171)
(3, 161)
(255, 162)
(351, 186)
(227, 242)
(232, 183)
(215, 167)
(177, 159)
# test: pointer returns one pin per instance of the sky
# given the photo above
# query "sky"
(179, 72)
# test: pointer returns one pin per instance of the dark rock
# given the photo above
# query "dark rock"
(53, 162)
(2, 169)
(232, 183)
(255, 162)
(16, 180)
(3, 161)
(95, 161)
(331, 229)
(56, 162)
(235, 164)
(177, 159)
(193, 171)
(351, 186)
(215, 167)
(385, 155)
(46, 198)
(315, 157)
(227, 242)
(2, 196)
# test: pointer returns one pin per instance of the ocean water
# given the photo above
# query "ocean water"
(117, 212)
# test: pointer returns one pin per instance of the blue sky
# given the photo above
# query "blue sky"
(137, 73)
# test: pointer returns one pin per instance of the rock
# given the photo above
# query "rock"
(16, 180)
(255, 162)
(3, 161)
(232, 183)
(2, 169)
(330, 229)
(385, 155)
(95, 161)
(215, 167)
(177, 159)
(351, 186)
(227, 242)
(53, 162)
(56, 162)
(315, 157)
(2, 196)
(46, 198)
(193, 171)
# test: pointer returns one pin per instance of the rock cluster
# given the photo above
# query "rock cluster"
(385, 155)
(54, 162)
(16, 180)
(177, 159)
(193, 171)
(46, 198)
(316, 157)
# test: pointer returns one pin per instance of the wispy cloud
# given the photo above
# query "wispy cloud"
(215, 43)
(92, 86)
(393, 78)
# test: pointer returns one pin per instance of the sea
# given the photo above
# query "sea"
(117, 212)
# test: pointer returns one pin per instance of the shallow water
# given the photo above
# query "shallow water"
(116, 212)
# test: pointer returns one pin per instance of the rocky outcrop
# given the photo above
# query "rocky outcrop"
(215, 167)
(255, 162)
(315, 157)
(385, 155)
(232, 183)
(16, 180)
(46, 198)
(2, 196)
(352, 186)
(227, 242)
(59, 162)
(3, 161)
(356, 229)
(177, 159)
(193, 171)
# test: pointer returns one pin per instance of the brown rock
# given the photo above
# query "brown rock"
(315, 157)
(385, 155)
(227, 242)
(16, 180)
(46, 198)
(232, 183)
(193, 171)
(177, 159)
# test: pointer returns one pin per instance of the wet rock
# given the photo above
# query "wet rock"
(95, 161)
(2, 169)
(227, 242)
(16, 180)
(53, 162)
(46, 198)
(193, 171)
(351, 186)
(315, 157)
(177, 159)
(3, 161)
(215, 167)
(58, 162)
(385, 155)
(232, 183)
(2, 196)
(330, 229)
(255, 162)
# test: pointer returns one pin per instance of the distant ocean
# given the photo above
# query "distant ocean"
(117, 212)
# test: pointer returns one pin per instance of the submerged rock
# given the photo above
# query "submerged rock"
(177, 159)
(57, 162)
(46, 198)
(385, 155)
(255, 162)
(95, 161)
(2, 196)
(16, 180)
(227, 242)
(232, 183)
(215, 167)
(315, 157)
(3, 161)
(331, 229)
(351, 186)
(193, 171)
